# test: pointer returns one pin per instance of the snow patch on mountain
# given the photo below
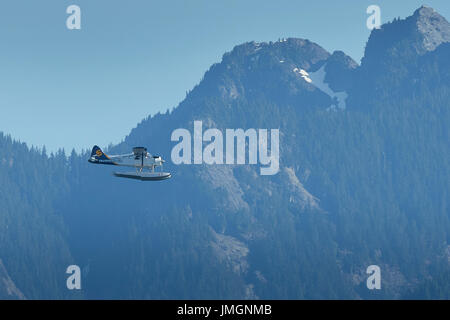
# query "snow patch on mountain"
(303, 74)
(318, 80)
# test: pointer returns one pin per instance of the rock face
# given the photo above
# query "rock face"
(8, 289)
(418, 34)
(231, 252)
(222, 177)
(433, 28)
(298, 194)
(339, 71)
(396, 53)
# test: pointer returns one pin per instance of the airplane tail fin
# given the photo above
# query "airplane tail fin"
(98, 153)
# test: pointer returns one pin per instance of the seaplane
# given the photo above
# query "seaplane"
(139, 159)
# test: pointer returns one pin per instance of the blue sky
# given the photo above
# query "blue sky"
(76, 88)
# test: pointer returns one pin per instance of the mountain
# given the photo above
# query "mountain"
(396, 53)
(422, 32)
(363, 179)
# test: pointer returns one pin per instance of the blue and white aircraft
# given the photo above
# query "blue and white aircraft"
(139, 159)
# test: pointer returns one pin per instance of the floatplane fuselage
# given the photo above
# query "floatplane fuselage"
(140, 159)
